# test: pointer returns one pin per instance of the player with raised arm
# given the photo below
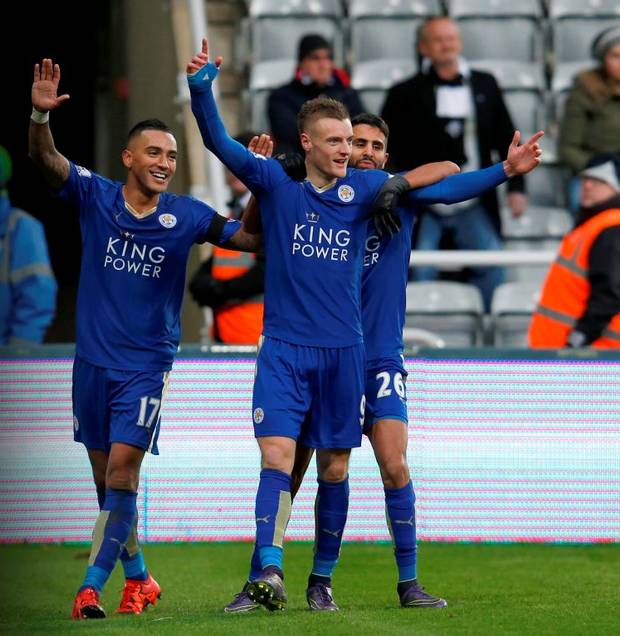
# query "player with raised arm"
(136, 239)
(312, 358)
(384, 281)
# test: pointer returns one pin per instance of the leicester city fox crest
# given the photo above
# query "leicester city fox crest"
(167, 220)
(346, 193)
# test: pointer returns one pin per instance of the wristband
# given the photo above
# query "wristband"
(38, 117)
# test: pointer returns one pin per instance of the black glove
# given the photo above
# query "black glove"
(383, 210)
(206, 290)
(294, 165)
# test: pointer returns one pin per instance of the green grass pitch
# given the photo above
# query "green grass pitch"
(491, 589)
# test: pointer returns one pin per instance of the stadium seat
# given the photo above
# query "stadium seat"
(500, 29)
(264, 77)
(452, 311)
(529, 273)
(522, 85)
(276, 26)
(547, 185)
(413, 337)
(372, 79)
(572, 36)
(511, 311)
(590, 8)
(539, 222)
(387, 29)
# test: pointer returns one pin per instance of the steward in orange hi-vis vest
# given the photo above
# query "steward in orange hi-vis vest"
(567, 294)
(239, 320)
(580, 298)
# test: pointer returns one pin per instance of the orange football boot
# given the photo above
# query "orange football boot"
(138, 595)
(86, 604)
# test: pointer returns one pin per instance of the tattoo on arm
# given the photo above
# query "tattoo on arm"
(244, 241)
(41, 149)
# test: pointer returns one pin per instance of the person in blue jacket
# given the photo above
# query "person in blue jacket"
(27, 284)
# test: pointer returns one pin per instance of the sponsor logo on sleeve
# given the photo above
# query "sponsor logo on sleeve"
(83, 172)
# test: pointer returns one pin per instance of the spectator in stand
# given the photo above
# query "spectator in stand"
(449, 112)
(316, 75)
(591, 122)
(580, 299)
(27, 284)
(231, 282)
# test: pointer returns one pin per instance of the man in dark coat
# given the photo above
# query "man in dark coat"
(449, 112)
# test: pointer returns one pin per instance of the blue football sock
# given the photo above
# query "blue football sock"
(131, 556)
(111, 533)
(330, 513)
(255, 564)
(400, 513)
(273, 510)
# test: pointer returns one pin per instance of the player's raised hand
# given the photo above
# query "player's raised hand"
(202, 59)
(261, 145)
(522, 159)
(45, 87)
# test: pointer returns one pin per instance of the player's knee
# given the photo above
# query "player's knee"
(122, 478)
(334, 470)
(395, 471)
(276, 457)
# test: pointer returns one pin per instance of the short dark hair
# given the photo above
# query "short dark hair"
(318, 108)
(369, 119)
(148, 124)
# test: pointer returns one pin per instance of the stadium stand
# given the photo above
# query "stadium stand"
(533, 47)
(386, 30)
(276, 26)
(372, 79)
(511, 311)
(499, 29)
(453, 311)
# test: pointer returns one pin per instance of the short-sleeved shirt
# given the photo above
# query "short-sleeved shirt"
(132, 275)
(384, 282)
(314, 244)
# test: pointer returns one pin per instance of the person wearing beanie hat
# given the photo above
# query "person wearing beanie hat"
(27, 284)
(315, 76)
(591, 121)
(580, 299)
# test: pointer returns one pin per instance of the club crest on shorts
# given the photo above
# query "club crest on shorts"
(167, 220)
(259, 415)
(76, 424)
(346, 193)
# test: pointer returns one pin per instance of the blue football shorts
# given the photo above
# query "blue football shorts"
(386, 392)
(322, 386)
(111, 405)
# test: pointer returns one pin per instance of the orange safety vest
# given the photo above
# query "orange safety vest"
(240, 323)
(566, 289)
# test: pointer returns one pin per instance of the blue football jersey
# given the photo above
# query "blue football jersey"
(132, 275)
(314, 245)
(386, 261)
(384, 281)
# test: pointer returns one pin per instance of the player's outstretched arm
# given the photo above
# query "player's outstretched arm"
(200, 76)
(41, 148)
(430, 173)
